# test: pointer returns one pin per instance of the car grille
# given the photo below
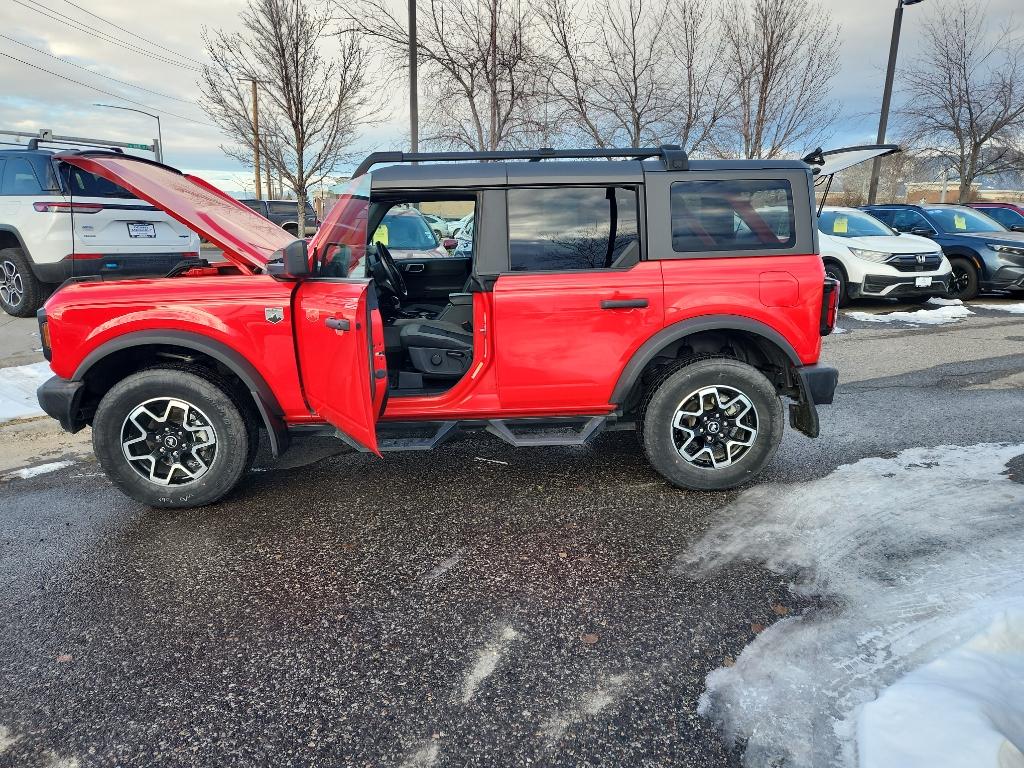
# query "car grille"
(911, 262)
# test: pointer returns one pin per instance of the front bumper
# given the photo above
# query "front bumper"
(899, 285)
(1006, 278)
(817, 386)
(113, 267)
(61, 399)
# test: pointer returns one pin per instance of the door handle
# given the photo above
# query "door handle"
(416, 267)
(623, 303)
(338, 323)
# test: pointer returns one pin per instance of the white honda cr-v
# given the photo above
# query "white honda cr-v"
(870, 260)
(58, 222)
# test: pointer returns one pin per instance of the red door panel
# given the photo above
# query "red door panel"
(562, 339)
(341, 355)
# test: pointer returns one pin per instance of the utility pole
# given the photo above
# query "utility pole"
(414, 105)
(255, 132)
(890, 73)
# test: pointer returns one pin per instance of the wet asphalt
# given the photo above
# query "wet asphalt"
(477, 605)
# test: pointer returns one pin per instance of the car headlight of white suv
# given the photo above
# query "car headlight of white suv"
(879, 257)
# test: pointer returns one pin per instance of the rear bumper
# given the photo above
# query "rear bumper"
(113, 266)
(60, 399)
(899, 285)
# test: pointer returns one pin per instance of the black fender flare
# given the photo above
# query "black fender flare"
(677, 331)
(263, 397)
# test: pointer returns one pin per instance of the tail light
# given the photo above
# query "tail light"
(67, 207)
(44, 333)
(829, 306)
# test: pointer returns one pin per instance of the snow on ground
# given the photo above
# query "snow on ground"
(1016, 309)
(944, 314)
(912, 556)
(965, 709)
(40, 469)
(945, 302)
(18, 390)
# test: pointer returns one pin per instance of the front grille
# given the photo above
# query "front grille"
(911, 262)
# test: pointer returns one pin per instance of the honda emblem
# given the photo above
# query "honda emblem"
(921, 258)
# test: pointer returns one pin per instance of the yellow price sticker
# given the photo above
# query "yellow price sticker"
(840, 226)
(959, 221)
(381, 235)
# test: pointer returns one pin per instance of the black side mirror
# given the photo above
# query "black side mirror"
(1017, 228)
(292, 261)
(922, 231)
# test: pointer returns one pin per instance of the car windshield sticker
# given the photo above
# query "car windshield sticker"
(839, 226)
(959, 221)
(381, 235)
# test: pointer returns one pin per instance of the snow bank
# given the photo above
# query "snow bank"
(966, 709)
(18, 390)
(945, 314)
(1016, 309)
(914, 555)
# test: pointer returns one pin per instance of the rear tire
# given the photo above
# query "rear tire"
(964, 282)
(173, 437)
(21, 293)
(711, 424)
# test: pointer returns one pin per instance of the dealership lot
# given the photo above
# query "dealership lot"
(488, 606)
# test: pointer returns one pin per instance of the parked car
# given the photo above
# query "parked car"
(1010, 215)
(57, 222)
(440, 225)
(285, 213)
(985, 255)
(868, 259)
(625, 302)
(460, 224)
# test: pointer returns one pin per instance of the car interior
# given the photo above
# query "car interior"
(424, 295)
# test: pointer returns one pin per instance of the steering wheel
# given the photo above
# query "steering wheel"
(385, 271)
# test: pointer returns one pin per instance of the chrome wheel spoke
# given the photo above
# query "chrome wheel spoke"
(714, 427)
(169, 441)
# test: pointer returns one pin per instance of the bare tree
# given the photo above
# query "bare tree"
(965, 94)
(477, 63)
(779, 56)
(313, 106)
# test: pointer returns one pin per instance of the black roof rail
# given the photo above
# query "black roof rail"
(674, 157)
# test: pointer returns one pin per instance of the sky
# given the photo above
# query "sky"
(31, 99)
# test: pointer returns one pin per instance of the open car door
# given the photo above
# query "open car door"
(826, 164)
(340, 338)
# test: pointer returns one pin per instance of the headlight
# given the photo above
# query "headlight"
(879, 257)
(1012, 250)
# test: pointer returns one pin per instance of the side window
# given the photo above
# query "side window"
(20, 179)
(884, 215)
(283, 208)
(905, 221)
(1008, 218)
(573, 228)
(732, 214)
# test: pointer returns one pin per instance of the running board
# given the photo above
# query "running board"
(521, 433)
(547, 432)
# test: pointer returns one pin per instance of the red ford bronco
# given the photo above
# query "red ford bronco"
(682, 299)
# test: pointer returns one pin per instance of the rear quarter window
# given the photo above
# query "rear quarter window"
(19, 178)
(732, 215)
(79, 183)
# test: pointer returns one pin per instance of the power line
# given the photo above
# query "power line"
(100, 90)
(133, 34)
(91, 72)
(86, 29)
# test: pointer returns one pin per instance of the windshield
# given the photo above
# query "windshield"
(341, 239)
(79, 183)
(852, 224)
(405, 231)
(956, 220)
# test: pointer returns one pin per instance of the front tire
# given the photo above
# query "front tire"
(173, 437)
(712, 424)
(21, 293)
(964, 282)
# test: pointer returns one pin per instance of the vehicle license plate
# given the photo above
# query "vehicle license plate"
(146, 230)
(922, 282)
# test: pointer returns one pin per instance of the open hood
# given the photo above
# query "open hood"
(246, 238)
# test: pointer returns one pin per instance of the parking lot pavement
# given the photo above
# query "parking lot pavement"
(478, 605)
(19, 341)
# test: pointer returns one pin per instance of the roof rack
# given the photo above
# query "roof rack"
(674, 157)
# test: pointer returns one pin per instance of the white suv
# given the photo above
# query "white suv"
(871, 260)
(58, 222)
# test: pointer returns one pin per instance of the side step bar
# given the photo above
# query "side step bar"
(521, 433)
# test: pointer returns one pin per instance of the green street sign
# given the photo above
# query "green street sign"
(138, 146)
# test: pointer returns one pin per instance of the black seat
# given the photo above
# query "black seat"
(437, 348)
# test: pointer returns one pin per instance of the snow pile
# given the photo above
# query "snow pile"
(945, 314)
(18, 390)
(965, 709)
(938, 300)
(914, 554)
(1016, 309)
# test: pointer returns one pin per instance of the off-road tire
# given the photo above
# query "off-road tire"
(666, 395)
(32, 292)
(237, 438)
(969, 287)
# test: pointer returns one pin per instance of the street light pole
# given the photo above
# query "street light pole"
(890, 73)
(159, 134)
(414, 107)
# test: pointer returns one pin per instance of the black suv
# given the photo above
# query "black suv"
(284, 213)
(984, 254)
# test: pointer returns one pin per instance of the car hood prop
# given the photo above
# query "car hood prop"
(247, 239)
(826, 164)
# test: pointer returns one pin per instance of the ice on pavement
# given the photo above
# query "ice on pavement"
(18, 390)
(964, 709)
(912, 556)
(940, 316)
